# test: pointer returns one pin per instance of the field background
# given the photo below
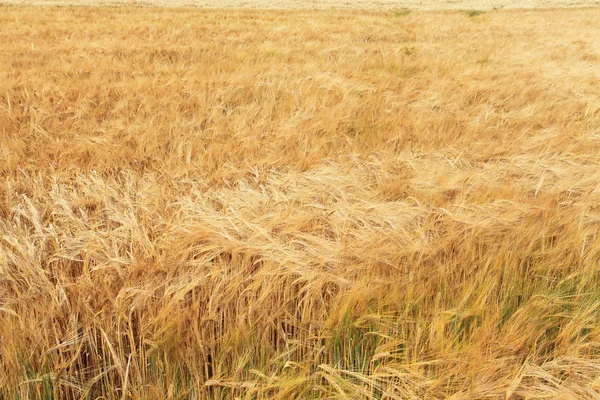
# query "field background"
(250, 204)
(331, 4)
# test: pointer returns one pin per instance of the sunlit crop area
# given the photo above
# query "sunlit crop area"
(205, 204)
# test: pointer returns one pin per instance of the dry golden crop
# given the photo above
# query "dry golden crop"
(217, 204)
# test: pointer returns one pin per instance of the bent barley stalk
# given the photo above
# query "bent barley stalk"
(240, 204)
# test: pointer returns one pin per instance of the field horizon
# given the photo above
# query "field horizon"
(372, 5)
(221, 204)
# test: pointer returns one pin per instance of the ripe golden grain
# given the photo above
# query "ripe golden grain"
(244, 204)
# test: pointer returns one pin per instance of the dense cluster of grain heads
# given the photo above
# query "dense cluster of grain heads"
(241, 204)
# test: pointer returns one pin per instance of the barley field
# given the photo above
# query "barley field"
(377, 5)
(239, 204)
